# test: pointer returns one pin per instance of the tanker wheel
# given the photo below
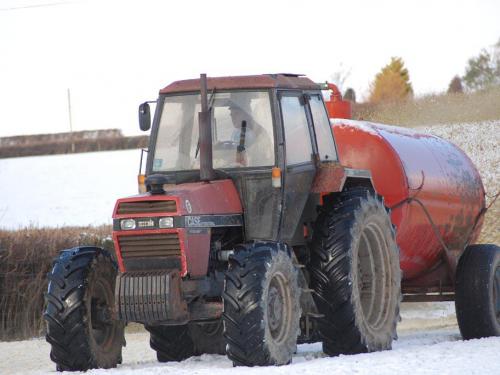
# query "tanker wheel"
(81, 327)
(261, 305)
(208, 337)
(171, 343)
(477, 291)
(355, 274)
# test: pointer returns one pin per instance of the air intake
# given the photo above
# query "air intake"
(150, 246)
(146, 207)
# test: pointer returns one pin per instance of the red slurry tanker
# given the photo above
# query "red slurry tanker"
(259, 228)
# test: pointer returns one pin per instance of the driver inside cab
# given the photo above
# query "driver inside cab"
(249, 140)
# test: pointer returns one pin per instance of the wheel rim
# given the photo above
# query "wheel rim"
(278, 308)
(374, 276)
(496, 293)
(101, 320)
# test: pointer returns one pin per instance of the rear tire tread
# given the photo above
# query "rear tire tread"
(474, 304)
(331, 274)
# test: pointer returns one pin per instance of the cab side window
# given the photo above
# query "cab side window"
(323, 129)
(297, 136)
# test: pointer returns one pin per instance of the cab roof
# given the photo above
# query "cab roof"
(263, 81)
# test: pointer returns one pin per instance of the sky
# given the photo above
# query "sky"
(113, 55)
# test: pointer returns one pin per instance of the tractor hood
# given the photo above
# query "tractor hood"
(172, 230)
(218, 197)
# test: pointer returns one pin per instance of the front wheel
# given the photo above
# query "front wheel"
(81, 326)
(261, 305)
(477, 292)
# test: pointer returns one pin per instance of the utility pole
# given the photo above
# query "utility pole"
(70, 122)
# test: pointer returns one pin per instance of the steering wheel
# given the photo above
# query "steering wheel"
(231, 148)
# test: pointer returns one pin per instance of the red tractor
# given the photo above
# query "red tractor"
(261, 228)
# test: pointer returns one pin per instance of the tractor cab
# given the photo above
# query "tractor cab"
(269, 134)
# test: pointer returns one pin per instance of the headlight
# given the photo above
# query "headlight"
(166, 222)
(127, 224)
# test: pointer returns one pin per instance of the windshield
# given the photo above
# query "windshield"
(242, 131)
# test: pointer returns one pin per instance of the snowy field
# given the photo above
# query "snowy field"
(81, 189)
(429, 343)
(65, 190)
(481, 142)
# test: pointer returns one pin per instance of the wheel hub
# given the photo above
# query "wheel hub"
(275, 308)
(374, 276)
(101, 316)
(278, 306)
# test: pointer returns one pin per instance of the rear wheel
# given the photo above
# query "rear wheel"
(477, 291)
(355, 274)
(81, 327)
(261, 305)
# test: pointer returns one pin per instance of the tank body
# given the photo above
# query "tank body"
(405, 164)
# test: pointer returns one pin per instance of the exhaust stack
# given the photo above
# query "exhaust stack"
(205, 122)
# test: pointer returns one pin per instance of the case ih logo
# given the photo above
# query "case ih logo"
(147, 223)
(193, 221)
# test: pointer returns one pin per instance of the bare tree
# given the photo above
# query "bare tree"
(340, 76)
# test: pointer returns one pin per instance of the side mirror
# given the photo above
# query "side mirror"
(144, 116)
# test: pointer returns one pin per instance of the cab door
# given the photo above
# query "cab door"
(299, 160)
(325, 142)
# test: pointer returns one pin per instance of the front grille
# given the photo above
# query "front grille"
(150, 246)
(146, 207)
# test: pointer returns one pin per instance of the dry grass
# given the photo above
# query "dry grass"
(491, 226)
(25, 258)
(434, 109)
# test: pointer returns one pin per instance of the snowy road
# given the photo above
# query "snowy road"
(429, 343)
(435, 351)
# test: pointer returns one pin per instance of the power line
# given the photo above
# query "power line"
(37, 6)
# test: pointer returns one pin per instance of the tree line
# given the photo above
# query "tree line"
(392, 83)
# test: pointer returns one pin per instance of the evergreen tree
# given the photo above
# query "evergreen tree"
(391, 83)
(455, 86)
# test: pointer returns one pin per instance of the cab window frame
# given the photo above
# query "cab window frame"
(312, 142)
(194, 172)
(309, 95)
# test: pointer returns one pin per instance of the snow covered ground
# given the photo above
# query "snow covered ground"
(429, 343)
(81, 189)
(481, 142)
(64, 190)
